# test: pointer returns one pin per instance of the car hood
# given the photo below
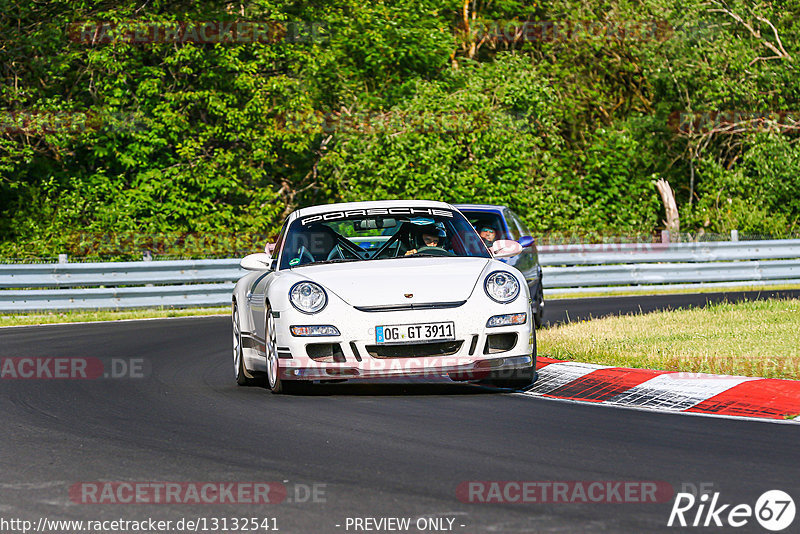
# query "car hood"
(389, 282)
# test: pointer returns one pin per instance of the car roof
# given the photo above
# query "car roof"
(484, 208)
(324, 208)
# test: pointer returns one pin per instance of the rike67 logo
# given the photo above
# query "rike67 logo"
(774, 510)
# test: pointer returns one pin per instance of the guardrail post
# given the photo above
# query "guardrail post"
(734, 235)
(665, 236)
(62, 258)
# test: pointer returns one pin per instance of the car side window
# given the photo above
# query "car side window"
(513, 227)
(527, 260)
(279, 244)
(523, 230)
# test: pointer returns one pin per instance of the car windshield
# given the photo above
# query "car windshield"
(377, 234)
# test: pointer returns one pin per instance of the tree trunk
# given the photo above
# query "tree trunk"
(672, 222)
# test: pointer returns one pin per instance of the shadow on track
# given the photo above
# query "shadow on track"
(391, 389)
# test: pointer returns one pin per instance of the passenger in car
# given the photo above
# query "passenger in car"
(487, 232)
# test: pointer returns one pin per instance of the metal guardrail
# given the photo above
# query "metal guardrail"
(173, 296)
(670, 273)
(647, 267)
(129, 273)
(110, 285)
(605, 268)
(608, 253)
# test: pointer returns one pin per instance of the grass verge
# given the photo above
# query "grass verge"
(755, 338)
(106, 315)
(707, 289)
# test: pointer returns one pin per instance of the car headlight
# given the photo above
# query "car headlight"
(501, 286)
(308, 297)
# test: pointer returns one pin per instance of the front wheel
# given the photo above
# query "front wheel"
(538, 306)
(515, 378)
(243, 378)
(520, 379)
(274, 381)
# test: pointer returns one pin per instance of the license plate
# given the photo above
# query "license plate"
(415, 333)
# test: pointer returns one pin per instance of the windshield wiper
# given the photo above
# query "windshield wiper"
(337, 260)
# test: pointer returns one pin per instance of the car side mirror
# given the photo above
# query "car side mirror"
(257, 262)
(526, 241)
(505, 248)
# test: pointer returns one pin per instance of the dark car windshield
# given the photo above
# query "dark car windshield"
(379, 233)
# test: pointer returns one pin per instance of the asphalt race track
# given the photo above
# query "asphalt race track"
(369, 451)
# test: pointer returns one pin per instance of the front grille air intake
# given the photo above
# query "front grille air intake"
(415, 350)
(408, 307)
(499, 343)
(325, 352)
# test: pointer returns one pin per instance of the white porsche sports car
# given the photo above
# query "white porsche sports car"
(384, 289)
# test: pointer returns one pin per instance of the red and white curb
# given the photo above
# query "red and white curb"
(697, 393)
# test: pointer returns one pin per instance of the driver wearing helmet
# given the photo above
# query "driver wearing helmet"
(431, 236)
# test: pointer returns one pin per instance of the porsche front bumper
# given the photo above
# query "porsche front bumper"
(476, 353)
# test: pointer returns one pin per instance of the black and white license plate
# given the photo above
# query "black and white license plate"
(411, 333)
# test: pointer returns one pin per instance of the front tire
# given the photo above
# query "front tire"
(538, 306)
(243, 378)
(274, 381)
(519, 378)
(522, 378)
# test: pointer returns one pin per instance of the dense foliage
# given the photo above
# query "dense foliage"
(568, 112)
